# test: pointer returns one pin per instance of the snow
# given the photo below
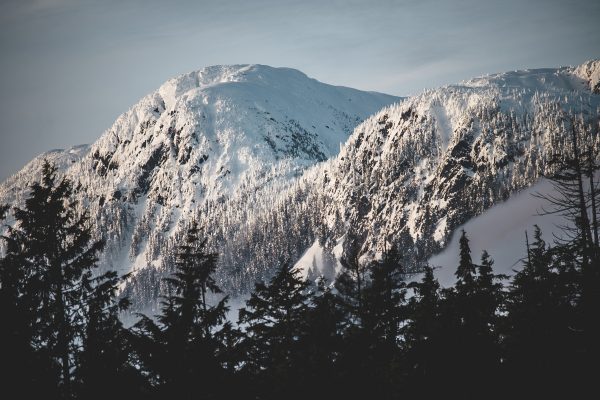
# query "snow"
(202, 141)
(267, 158)
(440, 230)
(590, 72)
(312, 257)
(444, 126)
(501, 231)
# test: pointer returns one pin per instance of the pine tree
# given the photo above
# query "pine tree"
(538, 332)
(50, 270)
(354, 363)
(461, 310)
(24, 369)
(59, 251)
(274, 321)
(350, 285)
(320, 344)
(180, 352)
(423, 333)
(576, 197)
(490, 294)
(488, 301)
(106, 344)
(465, 273)
(384, 297)
(468, 310)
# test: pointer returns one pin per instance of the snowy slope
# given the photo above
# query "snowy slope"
(416, 171)
(501, 231)
(201, 140)
(252, 152)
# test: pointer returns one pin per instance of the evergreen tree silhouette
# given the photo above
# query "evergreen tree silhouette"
(423, 334)
(384, 300)
(576, 197)
(51, 280)
(320, 344)
(460, 314)
(465, 273)
(539, 321)
(106, 344)
(354, 361)
(488, 301)
(469, 345)
(24, 368)
(274, 320)
(350, 285)
(180, 352)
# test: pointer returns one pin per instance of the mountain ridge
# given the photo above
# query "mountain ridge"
(201, 137)
(408, 175)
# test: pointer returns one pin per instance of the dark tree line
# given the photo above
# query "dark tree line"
(373, 333)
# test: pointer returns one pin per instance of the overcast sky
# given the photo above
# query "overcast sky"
(68, 68)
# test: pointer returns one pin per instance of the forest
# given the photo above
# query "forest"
(376, 332)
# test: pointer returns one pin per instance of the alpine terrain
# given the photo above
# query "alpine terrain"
(202, 141)
(277, 167)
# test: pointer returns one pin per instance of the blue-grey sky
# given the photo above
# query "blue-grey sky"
(68, 68)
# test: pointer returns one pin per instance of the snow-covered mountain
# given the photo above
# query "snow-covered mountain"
(414, 172)
(201, 140)
(252, 152)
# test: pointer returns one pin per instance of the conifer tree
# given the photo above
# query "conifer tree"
(465, 273)
(180, 352)
(422, 334)
(274, 321)
(58, 247)
(384, 299)
(106, 344)
(24, 369)
(350, 285)
(354, 361)
(537, 331)
(320, 343)
(468, 310)
(488, 301)
(576, 197)
(461, 309)
(490, 294)
(50, 268)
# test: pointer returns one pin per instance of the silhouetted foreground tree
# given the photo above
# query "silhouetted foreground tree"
(274, 322)
(58, 312)
(180, 352)
(370, 334)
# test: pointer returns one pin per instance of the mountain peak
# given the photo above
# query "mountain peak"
(590, 72)
(241, 149)
(202, 140)
(216, 75)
